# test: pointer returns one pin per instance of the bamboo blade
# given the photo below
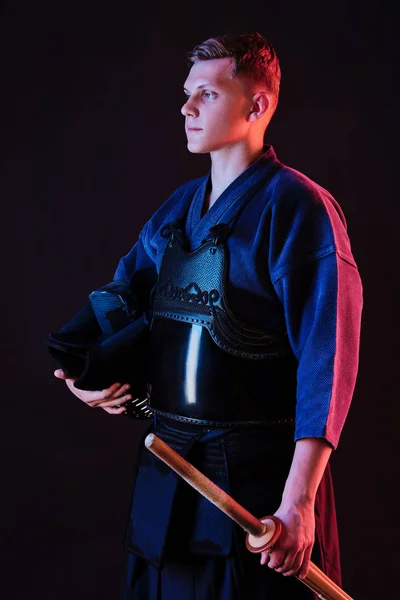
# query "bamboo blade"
(315, 579)
(323, 586)
(205, 486)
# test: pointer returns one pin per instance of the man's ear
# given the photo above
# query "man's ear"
(260, 104)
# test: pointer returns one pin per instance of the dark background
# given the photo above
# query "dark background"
(92, 142)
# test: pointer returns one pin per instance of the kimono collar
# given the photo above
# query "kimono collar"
(229, 202)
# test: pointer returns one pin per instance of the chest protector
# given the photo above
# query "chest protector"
(206, 366)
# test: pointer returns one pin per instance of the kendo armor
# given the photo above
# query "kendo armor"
(205, 365)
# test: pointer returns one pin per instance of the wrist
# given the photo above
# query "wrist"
(296, 493)
(309, 462)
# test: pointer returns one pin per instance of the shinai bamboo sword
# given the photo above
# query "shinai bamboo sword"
(261, 533)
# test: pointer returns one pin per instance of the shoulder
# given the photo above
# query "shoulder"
(306, 221)
(299, 203)
(294, 190)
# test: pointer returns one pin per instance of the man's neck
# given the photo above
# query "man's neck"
(226, 165)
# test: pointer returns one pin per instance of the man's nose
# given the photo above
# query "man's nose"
(189, 109)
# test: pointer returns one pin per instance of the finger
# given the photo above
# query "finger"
(114, 402)
(287, 562)
(59, 373)
(115, 411)
(124, 389)
(291, 565)
(115, 388)
(277, 558)
(92, 398)
(264, 558)
(108, 395)
(70, 384)
(305, 563)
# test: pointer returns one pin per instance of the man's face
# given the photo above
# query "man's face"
(217, 107)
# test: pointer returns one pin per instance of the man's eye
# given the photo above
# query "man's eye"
(208, 95)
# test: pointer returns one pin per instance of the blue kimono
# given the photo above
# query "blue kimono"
(291, 271)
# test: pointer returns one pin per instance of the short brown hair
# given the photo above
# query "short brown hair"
(252, 56)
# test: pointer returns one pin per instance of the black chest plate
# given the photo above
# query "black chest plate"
(206, 364)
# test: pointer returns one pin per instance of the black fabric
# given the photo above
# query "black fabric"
(105, 342)
(155, 490)
(203, 578)
(203, 551)
(233, 459)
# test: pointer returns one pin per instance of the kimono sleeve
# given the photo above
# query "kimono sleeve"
(317, 281)
(138, 268)
(322, 301)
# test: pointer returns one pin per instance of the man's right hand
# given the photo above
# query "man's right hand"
(111, 400)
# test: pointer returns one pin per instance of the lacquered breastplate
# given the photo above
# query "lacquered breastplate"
(206, 364)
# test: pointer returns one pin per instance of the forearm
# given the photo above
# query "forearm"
(292, 552)
(310, 458)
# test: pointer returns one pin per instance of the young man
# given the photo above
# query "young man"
(255, 303)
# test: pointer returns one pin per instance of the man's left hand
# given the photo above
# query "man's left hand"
(291, 553)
